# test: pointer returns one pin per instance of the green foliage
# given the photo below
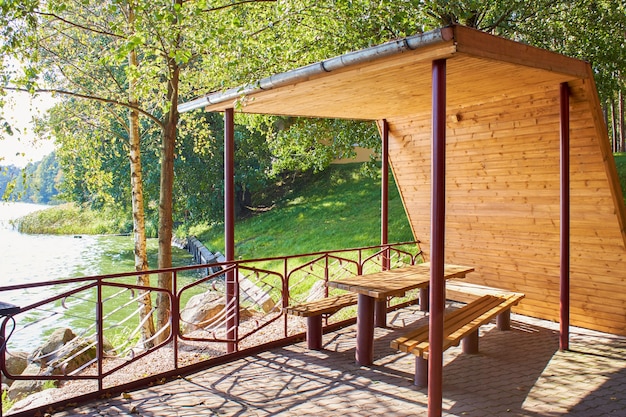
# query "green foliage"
(38, 182)
(71, 219)
(6, 402)
(592, 30)
(620, 162)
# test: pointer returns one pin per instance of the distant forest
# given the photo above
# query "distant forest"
(37, 182)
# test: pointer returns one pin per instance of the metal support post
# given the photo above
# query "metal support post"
(437, 238)
(229, 227)
(565, 218)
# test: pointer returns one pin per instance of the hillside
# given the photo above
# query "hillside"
(335, 209)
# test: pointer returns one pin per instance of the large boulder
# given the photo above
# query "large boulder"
(24, 387)
(38, 399)
(51, 348)
(61, 354)
(201, 311)
(15, 363)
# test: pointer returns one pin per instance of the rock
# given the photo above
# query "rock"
(38, 399)
(71, 356)
(49, 350)
(61, 354)
(201, 310)
(16, 362)
(21, 388)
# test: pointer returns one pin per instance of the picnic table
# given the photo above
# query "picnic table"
(380, 285)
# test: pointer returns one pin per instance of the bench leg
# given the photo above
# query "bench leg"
(421, 372)
(424, 299)
(503, 320)
(314, 332)
(470, 342)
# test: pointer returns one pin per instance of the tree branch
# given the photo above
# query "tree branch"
(79, 26)
(90, 97)
(239, 3)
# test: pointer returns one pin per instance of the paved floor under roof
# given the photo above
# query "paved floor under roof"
(518, 373)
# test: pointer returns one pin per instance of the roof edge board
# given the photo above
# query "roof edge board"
(481, 44)
(410, 43)
(607, 153)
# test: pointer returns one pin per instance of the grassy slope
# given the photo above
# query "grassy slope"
(339, 208)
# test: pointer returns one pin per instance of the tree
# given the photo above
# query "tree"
(83, 50)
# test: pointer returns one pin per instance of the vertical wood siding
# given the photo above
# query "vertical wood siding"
(502, 191)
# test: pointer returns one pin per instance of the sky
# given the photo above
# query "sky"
(23, 147)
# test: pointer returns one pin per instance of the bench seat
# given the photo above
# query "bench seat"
(315, 310)
(460, 325)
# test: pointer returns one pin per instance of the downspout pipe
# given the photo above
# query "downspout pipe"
(332, 64)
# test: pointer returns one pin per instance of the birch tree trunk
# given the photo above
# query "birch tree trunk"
(139, 222)
(164, 304)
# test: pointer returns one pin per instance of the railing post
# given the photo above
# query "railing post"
(286, 293)
(100, 335)
(175, 318)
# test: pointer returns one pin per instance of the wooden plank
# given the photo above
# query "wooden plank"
(458, 323)
(322, 306)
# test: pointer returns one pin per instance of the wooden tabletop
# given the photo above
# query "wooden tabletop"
(396, 282)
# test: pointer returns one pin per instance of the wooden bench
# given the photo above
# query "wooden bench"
(460, 325)
(315, 310)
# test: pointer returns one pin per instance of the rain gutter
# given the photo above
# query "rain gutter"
(304, 73)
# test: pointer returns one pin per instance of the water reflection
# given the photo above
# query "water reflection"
(37, 258)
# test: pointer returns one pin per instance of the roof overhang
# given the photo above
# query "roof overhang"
(394, 79)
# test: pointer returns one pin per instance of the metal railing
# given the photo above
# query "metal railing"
(98, 320)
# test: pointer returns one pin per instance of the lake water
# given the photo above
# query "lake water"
(35, 258)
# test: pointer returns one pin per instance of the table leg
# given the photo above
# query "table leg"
(365, 330)
(424, 299)
(380, 313)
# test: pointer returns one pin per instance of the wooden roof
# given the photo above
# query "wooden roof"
(502, 147)
(480, 68)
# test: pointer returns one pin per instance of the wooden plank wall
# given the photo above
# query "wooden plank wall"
(503, 202)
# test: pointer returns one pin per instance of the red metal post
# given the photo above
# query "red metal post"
(565, 218)
(229, 225)
(100, 334)
(314, 332)
(365, 330)
(384, 191)
(380, 314)
(437, 238)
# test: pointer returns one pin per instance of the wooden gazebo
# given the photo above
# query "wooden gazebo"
(501, 157)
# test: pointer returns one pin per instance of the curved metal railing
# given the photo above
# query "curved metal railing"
(99, 319)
